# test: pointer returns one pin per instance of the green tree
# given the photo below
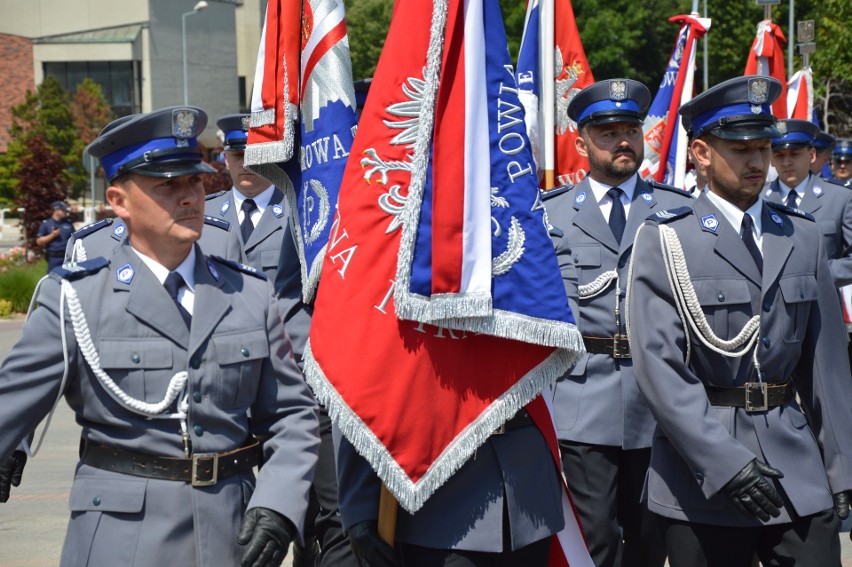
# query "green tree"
(367, 23)
(46, 114)
(90, 112)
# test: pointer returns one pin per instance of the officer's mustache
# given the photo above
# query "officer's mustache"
(187, 213)
(624, 152)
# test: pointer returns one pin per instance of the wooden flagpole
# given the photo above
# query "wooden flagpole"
(388, 509)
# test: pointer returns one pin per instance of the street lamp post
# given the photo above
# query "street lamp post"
(201, 5)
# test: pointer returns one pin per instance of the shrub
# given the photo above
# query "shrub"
(17, 283)
(5, 308)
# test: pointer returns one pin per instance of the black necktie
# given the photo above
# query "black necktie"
(246, 227)
(173, 283)
(791, 199)
(617, 218)
(748, 240)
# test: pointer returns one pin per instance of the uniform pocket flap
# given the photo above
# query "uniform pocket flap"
(269, 258)
(233, 349)
(827, 227)
(587, 256)
(135, 353)
(722, 291)
(108, 495)
(797, 289)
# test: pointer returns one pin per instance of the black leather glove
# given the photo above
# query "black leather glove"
(11, 471)
(266, 535)
(841, 505)
(753, 494)
(369, 548)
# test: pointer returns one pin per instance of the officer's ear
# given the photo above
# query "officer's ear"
(116, 196)
(701, 152)
(580, 143)
(812, 151)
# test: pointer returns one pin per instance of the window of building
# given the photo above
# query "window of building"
(116, 79)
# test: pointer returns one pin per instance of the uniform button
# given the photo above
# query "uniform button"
(721, 297)
(199, 430)
(195, 362)
(767, 306)
(766, 342)
(576, 259)
(135, 358)
(196, 396)
(245, 352)
(96, 500)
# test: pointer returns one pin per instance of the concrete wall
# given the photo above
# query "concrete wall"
(39, 18)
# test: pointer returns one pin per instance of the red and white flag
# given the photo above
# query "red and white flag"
(439, 220)
(766, 57)
(800, 95)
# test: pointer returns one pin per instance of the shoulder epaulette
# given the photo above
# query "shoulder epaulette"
(217, 222)
(77, 270)
(790, 210)
(669, 215)
(214, 195)
(90, 228)
(239, 267)
(551, 193)
(657, 185)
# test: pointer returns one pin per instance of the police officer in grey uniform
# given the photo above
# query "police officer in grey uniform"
(255, 210)
(841, 163)
(733, 318)
(180, 373)
(823, 145)
(603, 425)
(798, 188)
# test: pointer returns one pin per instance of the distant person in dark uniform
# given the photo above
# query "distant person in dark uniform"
(823, 146)
(841, 163)
(603, 424)
(179, 371)
(54, 233)
(733, 324)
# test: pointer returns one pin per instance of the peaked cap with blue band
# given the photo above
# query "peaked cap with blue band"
(823, 142)
(795, 134)
(235, 128)
(737, 109)
(842, 150)
(612, 100)
(162, 143)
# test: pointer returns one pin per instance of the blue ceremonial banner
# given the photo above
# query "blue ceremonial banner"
(323, 139)
(475, 252)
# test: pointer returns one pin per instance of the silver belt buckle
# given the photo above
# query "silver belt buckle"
(756, 388)
(214, 477)
(620, 346)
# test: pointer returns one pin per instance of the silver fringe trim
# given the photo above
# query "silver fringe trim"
(269, 152)
(413, 495)
(262, 118)
(442, 306)
(410, 215)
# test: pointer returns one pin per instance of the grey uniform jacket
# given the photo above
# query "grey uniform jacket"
(697, 447)
(512, 477)
(831, 206)
(598, 402)
(242, 380)
(264, 245)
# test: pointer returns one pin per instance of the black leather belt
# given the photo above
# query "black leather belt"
(52, 254)
(202, 469)
(520, 419)
(753, 396)
(616, 347)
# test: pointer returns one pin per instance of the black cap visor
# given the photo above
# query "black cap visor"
(746, 131)
(176, 168)
(790, 145)
(610, 116)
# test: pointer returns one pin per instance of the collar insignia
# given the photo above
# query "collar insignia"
(277, 210)
(580, 199)
(817, 190)
(776, 218)
(125, 274)
(119, 229)
(647, 197)
(710, 222)
(225, 206)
